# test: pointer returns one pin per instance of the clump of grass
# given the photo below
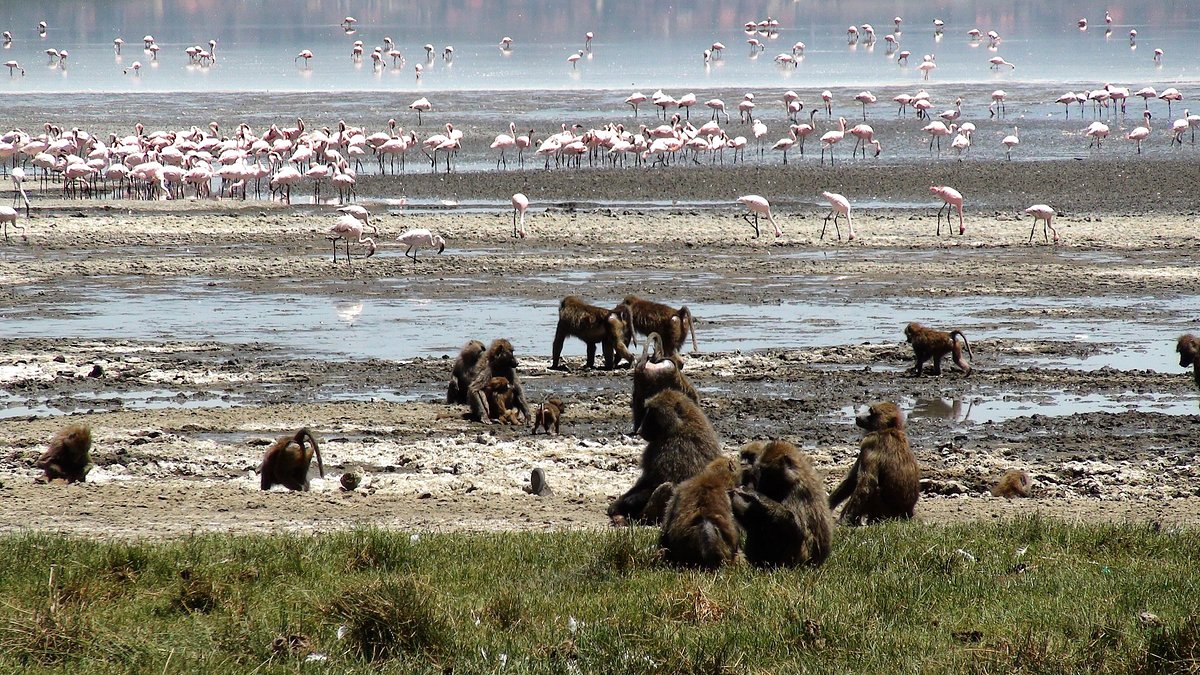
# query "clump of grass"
(694, 606)
(1174, 649)
(374, 549)
(506, 610)
(622, 553)
(194, 593)
(393, 618)
(53, 632)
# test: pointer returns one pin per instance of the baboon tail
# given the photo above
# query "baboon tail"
(299, 438)
(966, 344)
(685, 315)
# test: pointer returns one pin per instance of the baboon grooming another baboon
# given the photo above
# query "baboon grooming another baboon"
(928, 343)
(68, 456)
(548, 414)
(592, 325)
(782, 508)
(885, 479)
(499, 361)
(655, 372)
(464, 371)
(699, 529)
(1189, 351)
(287, 460)
(646, 317)
(1013, 483)
(680, 441)
(500, 399)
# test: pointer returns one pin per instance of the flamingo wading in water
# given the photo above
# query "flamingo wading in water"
(348, 227)
(758, 205)
(839, 206)
(1045, 214)
(953, 198)
(519, 202)
(415, 238)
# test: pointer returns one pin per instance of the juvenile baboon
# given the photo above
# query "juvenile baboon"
(1189, 349)
(1013, 483)
(499, 361)
(655, 372)
(698, 529)
(885, 479)
(592, 325)
(748, 455)
(548, 414)
(680, 441)
(68, 456)
(501, 399)
(464, 371)
(933, 344)
(782, 507)
(646, 317)
(287, 460)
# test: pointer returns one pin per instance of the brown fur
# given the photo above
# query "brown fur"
(592, 325)
(464, 371)
(885, 479)
(548, 414)
(699, 529)
(287, 461)
(500, 398)
(680, 441)
(68, 455)
(1013, 483)
(499, 361)
(933, 344)
(657, 372)
(1189, 354)
(783, 508)
(646, 317)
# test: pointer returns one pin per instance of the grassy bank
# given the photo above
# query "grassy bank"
(1030, 595)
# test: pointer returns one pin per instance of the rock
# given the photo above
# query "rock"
(933, 486)
(352, 479)
(538, 485)
(96, 371)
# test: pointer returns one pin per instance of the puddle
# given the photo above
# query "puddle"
(145, 399)
(1048, 404)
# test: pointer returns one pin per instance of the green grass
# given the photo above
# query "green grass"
(900, 598)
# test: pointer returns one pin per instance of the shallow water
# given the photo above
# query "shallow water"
(1047, 404)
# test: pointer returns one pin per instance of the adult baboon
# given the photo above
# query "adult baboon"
(1189, 349)
(782, 507)
(464, 371)
(1013, 483)
(548, 414)
(928, 343)
(698, 529)
(885, 479)
(680, 441)
(594, 325)
(499, 361)
(68, 456)
(646, 317)
(287, 461)
(655, 372)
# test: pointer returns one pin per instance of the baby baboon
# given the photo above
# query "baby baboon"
(548, 414)
(680, 441)
(657, 372)
(885, 479)
(592, 325)
(648, 317)
(699, 529)
(500, 399)
(287, 460)
(499, 361)
(933, 344)
(782, 507)
(67, 458)
(464, 371)
(1013, 483)
(1189, 349)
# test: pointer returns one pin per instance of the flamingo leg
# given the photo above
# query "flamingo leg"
(746, 217)
(939, 216)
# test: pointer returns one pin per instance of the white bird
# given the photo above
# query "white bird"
(519, 202)
(1045, 214)
(1009, 143)
(420, 105)
(839, 206)
(415, 238)
(758, 205)
(8, 215)
(575, 57)
(348, 227)
(358, 212)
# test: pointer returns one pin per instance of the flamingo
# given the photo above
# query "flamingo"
(827, 98)
(1140, 134)
(1170, 94)
(572, 59)
(927, 65)
(1009, 143)
(136, 67)
(347, 227)
(415, 238)
(420, 105)
(997, 104)
(686, 102)
(358, 212)
(839, 206)
(998, 61)
(865, 98)
(18, 177)
(953, 198)
(785, 144)
(936, 130)
(1097, 131)
(506, 43)
(1158, 54)
(117, 44)
(13, 65)
(503, 142)
(304, 54)
(8, 215)
(864, 135)
(1045, 214)
(757, 205)
(635, 99)
(718, 107)
(832, 138)
(587, 40)
(519, 202)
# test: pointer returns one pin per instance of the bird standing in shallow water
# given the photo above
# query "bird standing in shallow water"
(758, 205)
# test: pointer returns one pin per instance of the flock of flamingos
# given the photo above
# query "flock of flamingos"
(206, 162)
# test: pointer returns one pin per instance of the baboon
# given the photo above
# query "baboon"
(782, 507)
(499, 361)
(885, 479)
(657, 372)
(67, 458)
(680, 441)
(464, 370)
(287, 460)
(646, 317)
(933, 344)
(1189, 349)
(592, 325)
(1013, 483)
(698, 529)
(749, 455)
(500, 399)
(548, 414)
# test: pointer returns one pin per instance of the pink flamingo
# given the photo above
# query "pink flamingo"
(347, 227)
(927, 65)
(936, 130)
(785, 144)
(1010, 142)
(1170, 94)
(635, 99)
(420, 105)
(304, 54)
(1141, 133)
(520, 203)
(415, 238)
(865, 98)
(1045, 214)
(827, 99)
(953, 198)
(998, 61)
(13, 65)
(832, 138)
(757, 205)
(864, 135)
(839, 206)
(1067, 99)
(503, 142)
(997, 104)
(572, 59)
(523, 143)
(1097, 131)
(8, 215)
